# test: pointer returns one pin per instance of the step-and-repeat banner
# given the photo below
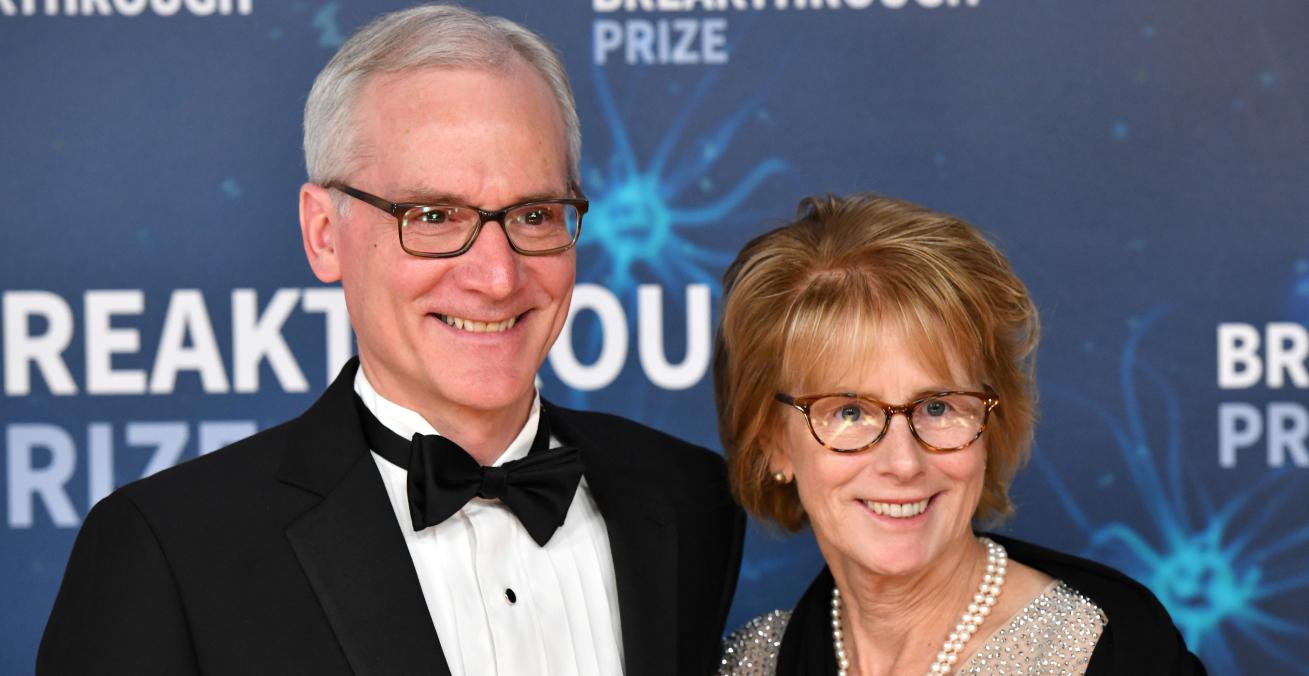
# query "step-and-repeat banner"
(1144, 163)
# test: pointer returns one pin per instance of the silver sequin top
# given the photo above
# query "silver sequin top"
(1053, 634)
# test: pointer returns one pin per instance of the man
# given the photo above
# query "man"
(442, 150)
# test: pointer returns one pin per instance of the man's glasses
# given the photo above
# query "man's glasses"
(941, 422)
(535, 228)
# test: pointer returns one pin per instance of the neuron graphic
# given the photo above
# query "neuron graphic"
(655, 220)
(644, 215)
(1216, 567)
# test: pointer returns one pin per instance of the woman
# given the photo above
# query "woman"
(874, 379)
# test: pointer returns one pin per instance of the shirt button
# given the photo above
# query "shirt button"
(510, 596)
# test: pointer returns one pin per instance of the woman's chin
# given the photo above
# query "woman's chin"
(882, 557)
(898, 553)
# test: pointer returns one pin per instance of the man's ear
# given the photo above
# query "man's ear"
(318, 224)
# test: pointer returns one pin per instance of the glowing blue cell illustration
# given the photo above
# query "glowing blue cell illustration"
(645, 213)
(1218, 568)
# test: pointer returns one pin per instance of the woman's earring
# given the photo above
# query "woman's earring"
(780, 477)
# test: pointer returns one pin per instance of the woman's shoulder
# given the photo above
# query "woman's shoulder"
(1140, 636)
(752, 649)
(1106, 586)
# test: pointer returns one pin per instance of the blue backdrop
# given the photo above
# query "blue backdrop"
(1144, 163)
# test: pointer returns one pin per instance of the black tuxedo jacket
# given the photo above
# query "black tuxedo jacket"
(281, 555)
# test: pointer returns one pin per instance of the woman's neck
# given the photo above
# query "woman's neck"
(896, 624)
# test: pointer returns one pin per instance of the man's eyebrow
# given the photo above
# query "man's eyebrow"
(421, 196)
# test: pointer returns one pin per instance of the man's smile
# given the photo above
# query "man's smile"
(475, 326)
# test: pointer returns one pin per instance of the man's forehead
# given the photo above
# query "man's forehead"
(405, 119)
(513, 70)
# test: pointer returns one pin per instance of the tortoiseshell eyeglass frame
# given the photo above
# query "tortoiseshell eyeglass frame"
(802, 404)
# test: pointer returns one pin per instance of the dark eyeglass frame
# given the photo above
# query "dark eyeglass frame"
(890, 410)
(398, 209)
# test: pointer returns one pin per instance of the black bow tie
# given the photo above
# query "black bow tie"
(538, 489)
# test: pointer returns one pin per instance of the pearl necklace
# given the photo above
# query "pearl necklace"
(997, 560)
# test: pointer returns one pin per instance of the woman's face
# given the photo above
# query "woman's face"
(843, 492)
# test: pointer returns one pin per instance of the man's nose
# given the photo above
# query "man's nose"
(491, 265)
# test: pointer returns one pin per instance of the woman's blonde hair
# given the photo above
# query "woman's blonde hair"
(800, 300)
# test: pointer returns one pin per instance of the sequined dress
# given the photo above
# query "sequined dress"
(1055, 633)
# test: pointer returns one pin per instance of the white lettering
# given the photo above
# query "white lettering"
(613, 334)
(680, 41)
(1286, 355)
(1239, 426)
(686, 30)
(103, 341)
(1285, 432)
(124, 7)
(1287, 345)
(44, 351)
(187, 316)
(713, 40)
(27, 482)
(50, 481)
(606, 36)
(1239, 365)
(650, 340)
(640, 41)
(1288, 428)
(256, 337)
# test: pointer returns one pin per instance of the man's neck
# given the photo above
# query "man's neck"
(484, 433)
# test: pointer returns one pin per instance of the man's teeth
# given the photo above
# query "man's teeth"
(898, 510)
(478, 327)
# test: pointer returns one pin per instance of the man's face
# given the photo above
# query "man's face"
(477, 137)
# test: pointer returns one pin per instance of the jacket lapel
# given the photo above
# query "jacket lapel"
(643, 540)
(350, 547)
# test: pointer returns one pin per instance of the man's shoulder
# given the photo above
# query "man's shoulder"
(322, 435)
(230, 484)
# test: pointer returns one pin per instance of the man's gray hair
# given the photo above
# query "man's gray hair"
(421, 37)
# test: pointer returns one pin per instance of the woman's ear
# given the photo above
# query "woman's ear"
(779, 461)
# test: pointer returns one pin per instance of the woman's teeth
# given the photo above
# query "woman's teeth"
(478, 327)
(898, 510)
